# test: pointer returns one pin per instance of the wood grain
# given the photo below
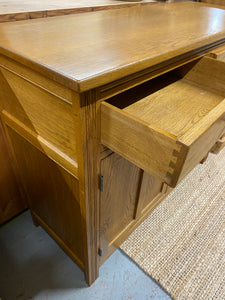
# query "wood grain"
(218, 53)
(55, 73)
(151, 189)
(147, 147)
(118, 198)
(53, 195)
(88, 166)
(206, 72)
(17, 10)
(11, 201)
(201, 146)
(167, 125)
(220, 3)
(90, 58)
(41, 111)
(40, 143)
(176, 106)
(37, 79)
(126, 195)
(220, 144)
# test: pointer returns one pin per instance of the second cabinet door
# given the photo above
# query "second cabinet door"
(128, 195)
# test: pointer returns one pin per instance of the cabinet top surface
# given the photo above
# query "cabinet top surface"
(96, 48)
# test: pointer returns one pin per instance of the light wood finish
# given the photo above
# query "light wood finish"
(211, 4)
(55, 73)
(220, 144)
(89, 156)
(40, 143)
(118, 199)
(27, 101)
(216, 3)
(167, 125)
(151, 191)
(11, 201)
(218, 53)
(17, 10)
(90, 60)
(28, 96)
(53, 195)
(127, 193)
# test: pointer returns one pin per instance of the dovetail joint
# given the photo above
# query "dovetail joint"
(176, 166)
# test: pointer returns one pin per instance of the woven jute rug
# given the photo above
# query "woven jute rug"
(182, 243)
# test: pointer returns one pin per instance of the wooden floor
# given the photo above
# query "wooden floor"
(14, 10)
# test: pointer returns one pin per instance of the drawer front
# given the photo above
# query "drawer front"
(168, 149)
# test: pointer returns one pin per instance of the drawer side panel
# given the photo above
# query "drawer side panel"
(200, 148)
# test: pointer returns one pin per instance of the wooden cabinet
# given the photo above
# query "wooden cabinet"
(220, 144)
(68, 91)
(127, 193)
(167, 125)
(53, 195)
(11, 201)
(218, 53)
(216, 3)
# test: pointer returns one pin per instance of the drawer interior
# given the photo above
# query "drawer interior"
(173, 102)
(167, 125)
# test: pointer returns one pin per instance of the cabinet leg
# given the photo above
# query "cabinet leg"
(35, 221)
(91, 276)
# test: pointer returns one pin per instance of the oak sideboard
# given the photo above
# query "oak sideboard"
(106, 112)
(12, 200)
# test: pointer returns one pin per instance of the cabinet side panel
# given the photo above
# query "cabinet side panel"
(11, 202)
(42, 111)
(53, 195)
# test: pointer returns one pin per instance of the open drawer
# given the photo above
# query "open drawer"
(167, 125)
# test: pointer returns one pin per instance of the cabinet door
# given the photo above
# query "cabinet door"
(126, 198)
(11, 202)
